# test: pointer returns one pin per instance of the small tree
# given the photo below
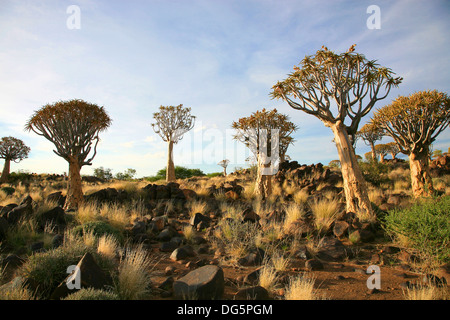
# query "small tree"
(336, 88)
(73, 127)
(224, 164)
(414, 122)
(171, 124)
(257, 129)
(126, 175)
(370, 134)
(381, 150)
(103, 173)
(11, 149)
(393, 149)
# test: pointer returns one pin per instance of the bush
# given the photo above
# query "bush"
(8, 190)
(92, 294)
(214, 174)
(45, 271)
(374, 172)
(425, 226)
(98, 229)
(180, 173)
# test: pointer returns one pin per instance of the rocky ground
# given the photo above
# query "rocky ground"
(198, 267)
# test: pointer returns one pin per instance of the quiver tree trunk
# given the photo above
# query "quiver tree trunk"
(357, 199)
(170, 171)
(263, 187)
(74, 189)
(421, 182)
(5, 172)
(224, 171)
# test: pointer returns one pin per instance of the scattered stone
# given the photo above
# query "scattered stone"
(249, 215)
(168, 246)
(252, 277)
(432, 280)
(55, 216)
(331, 249)
(24, 209)
(167, 284)
(204, 283)
(182, 253)
(340, 228)
(254, 258)
(313, 265)
(169, 270)
(302, 253)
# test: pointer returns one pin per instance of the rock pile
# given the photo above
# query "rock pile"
(440, 166)
(308, 177)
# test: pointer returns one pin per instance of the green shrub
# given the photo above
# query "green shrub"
(8, 190)
(98, 229)
(180, 173)
(214, 174)
(374, 172)
(44, 271)
(425, 226)
(92, 294)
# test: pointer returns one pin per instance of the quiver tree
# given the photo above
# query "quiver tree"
(224, 164)
(11, 149)
(268, 135)
(370, 134)
(393, 149)
(381, 150)
(171, 124)
(336, 88)
(73, 127)
(414, 122)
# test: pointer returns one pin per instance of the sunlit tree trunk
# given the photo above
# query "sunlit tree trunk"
(170, 171)
(421, 182)
(263, 187)
(74, 190)
(355, 189)
(5, 172)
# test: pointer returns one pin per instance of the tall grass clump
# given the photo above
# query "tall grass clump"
(133, 279)
(301, 288)
(425, 227)
(325, 212)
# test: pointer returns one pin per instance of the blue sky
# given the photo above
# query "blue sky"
(218, 57)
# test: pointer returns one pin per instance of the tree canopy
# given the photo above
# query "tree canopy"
(73, 127)
(416, 120)
(173, 122)
(13, 149)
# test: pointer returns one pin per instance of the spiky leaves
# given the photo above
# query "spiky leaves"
(414, 122)
(249, 129)
(72, 126)
(173, 122)
(341, 83)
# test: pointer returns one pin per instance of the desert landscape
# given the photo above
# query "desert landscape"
(256, 151)
(142, 237)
